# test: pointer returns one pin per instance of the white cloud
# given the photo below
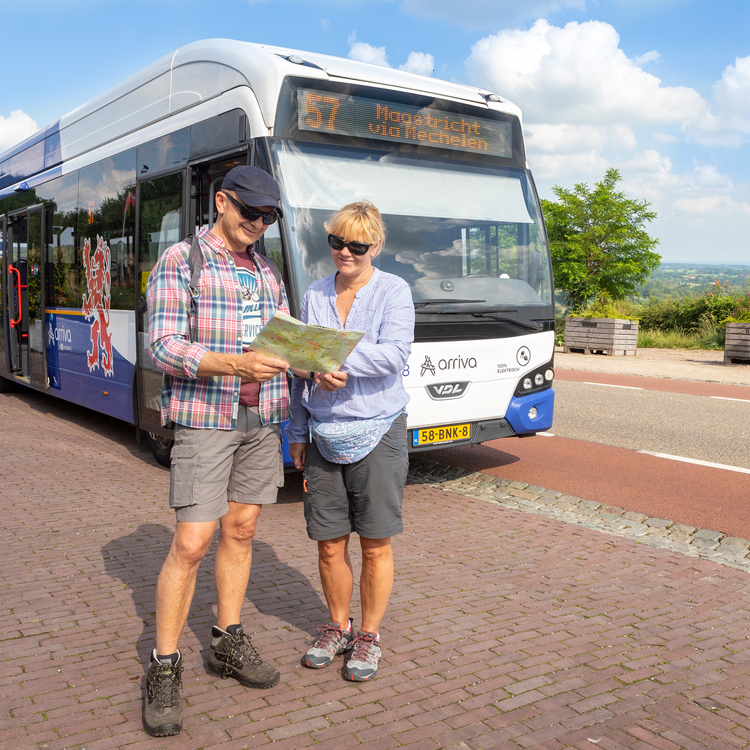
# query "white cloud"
(586, 104)
(367, 53)
(15, 128)
(577, 74)
(563, 138)
(665, 138)
(730, 126)
(648, 57)
(419, 62)
(484, 13)
(325, 22)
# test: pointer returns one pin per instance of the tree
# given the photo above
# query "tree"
(598, 241)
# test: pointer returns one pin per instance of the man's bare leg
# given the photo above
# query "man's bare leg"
(176, 584)
(234, 557)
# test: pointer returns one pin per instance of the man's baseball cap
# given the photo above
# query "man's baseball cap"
(254, 187)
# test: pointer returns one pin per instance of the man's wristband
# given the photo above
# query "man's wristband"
(312, 375)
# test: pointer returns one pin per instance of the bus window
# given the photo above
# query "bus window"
(61, 243)
(106, 220)
(454, 229)
(160, 227)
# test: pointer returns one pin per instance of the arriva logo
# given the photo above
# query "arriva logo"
(457, 363)
(58, 335)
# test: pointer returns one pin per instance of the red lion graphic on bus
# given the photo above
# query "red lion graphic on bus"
(96, 303)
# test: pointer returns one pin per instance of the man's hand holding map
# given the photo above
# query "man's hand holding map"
(305, 347)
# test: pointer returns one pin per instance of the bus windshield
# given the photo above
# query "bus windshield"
(459, 233)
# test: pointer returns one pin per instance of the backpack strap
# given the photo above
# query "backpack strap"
(195, 262)
(276, 275)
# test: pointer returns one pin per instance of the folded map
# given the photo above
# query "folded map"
(305, 347)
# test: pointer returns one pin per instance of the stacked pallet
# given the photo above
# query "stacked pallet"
(612, 336)
(737, 346)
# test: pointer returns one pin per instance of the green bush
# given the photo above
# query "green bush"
(690, 322)
(559, 330)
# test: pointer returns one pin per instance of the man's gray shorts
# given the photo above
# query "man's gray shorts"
(365, 496)
(213, 467)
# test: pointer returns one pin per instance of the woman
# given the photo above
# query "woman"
(355, 467)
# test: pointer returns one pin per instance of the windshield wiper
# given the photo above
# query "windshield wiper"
(494, 313)
(425, 302)
(529, 325)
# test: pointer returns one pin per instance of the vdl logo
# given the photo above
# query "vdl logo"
(447, 390)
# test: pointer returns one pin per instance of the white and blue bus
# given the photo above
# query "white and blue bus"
(89, 204)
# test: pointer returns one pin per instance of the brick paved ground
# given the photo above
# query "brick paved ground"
(506, 629)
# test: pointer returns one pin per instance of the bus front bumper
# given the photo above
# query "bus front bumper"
(525, 416)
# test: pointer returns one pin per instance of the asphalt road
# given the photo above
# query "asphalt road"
(699, 427)
(598, 435)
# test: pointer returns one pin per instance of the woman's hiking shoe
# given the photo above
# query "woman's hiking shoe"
(332, 640)
(233, 655)
(162, 708)
(363, 663)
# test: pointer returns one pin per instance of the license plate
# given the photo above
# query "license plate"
(445, 434)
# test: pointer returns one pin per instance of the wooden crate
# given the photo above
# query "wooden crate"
(612, 336)
(737, 345)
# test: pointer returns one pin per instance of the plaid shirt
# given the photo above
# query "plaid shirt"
(207, 402)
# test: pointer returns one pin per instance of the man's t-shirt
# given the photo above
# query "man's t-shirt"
(251, 318)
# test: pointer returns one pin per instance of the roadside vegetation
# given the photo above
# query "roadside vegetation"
(605, 266)
(690, 321)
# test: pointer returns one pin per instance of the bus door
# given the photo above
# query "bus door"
(4, 365)
(161, 203)
(162, 222)
(24, 299)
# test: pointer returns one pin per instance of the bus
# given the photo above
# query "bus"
(90, 203)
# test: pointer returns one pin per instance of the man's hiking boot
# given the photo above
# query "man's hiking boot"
(363, 664)
(332, 640)
(233, 655)
(162, 708)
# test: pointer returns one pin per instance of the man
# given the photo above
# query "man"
(226, 402)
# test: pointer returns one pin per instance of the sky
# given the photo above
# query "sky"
(658, 89)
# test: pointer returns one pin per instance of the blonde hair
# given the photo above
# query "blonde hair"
(356, 219)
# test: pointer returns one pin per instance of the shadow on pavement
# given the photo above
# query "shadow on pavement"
(477, 457)
(276, 589)
(121, 433)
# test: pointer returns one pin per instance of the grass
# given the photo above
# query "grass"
(704, 338)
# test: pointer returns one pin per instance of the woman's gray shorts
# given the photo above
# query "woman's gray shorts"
(365, 496)
(213, 467)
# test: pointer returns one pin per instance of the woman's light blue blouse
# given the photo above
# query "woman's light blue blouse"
(384, 310)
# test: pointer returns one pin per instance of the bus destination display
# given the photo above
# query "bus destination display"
(328, 112)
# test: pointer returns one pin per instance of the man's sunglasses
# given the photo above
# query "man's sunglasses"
(355, 248)
(250, 213)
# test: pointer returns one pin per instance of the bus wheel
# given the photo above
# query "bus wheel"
(6, 386)
(161, 447)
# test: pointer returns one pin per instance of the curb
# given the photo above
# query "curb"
(706, 544)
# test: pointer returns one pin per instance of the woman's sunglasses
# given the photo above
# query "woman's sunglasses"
(250, 213)
(355, 248)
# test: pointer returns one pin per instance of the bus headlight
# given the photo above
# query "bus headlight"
(538, 379)
(533, 412)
